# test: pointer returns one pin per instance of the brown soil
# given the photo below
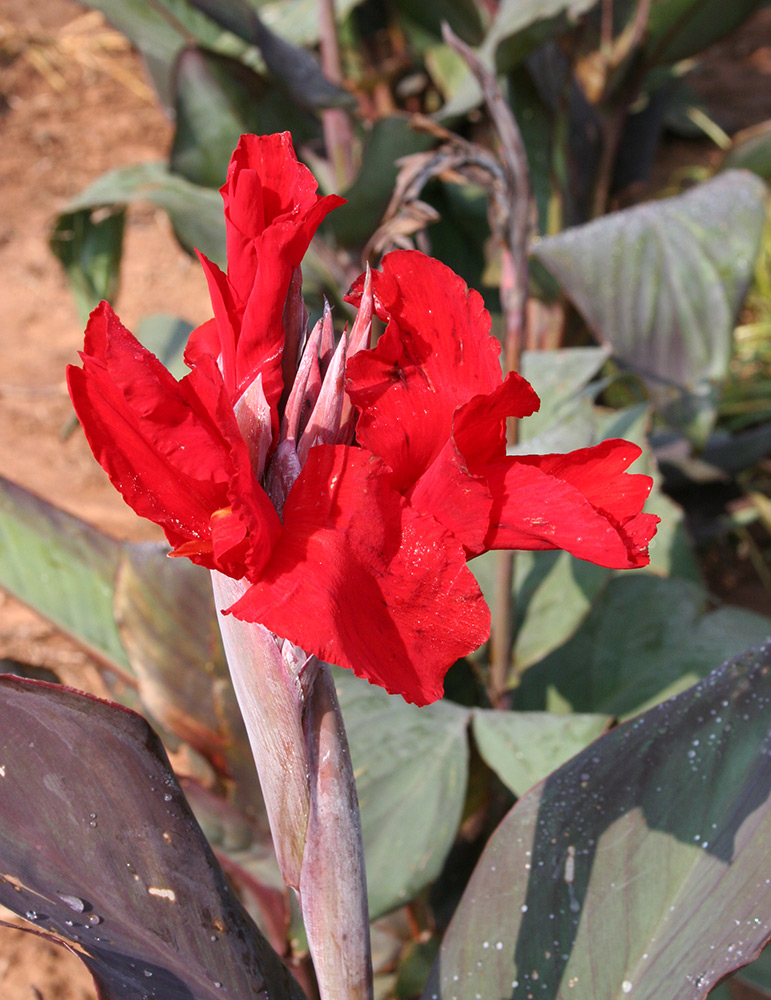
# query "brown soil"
(73, 104)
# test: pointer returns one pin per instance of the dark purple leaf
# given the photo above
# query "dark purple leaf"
(98, 847)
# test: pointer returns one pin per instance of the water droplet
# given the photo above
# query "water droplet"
(147, 972)
(74, 902)
(626, 986)
(93, 919)
(167, 797)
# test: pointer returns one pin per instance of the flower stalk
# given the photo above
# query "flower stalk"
(295, 727)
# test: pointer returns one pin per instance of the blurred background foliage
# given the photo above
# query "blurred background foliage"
(648, 317)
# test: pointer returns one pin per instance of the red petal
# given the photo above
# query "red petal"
(435, 355)
(361, 579)
(171, 448)
(455, 488)
(272, 211)
(228, 316)
(582, 502)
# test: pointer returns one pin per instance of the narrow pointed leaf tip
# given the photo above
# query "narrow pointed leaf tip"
(347, 487)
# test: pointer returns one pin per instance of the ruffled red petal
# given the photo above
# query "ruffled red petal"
(435, 355)
(455, 489)
(363, 580)
(169, 447)
(582, 502)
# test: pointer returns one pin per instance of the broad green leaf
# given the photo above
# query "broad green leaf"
(643, 635)
(99, 848)
(540, 136)
(235, 16)
(166, 336)
(459, 235)
(411, 768)
(61, 567)
(145, 615)
(521, 25)
(465, 17)
(554, 594)
(297, 21)
(299, 73)
(758, 974)
(561, 379)
(165, 613)
(195, 211)
(678, 29)
(217, 100)
(90, 251)
(662, 284)
(751, 150)
(523, 748)
(640, 868)
(389, 140)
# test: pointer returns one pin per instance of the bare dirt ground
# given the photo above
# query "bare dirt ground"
(73, 104)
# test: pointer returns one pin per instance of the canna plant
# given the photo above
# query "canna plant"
(336, 493)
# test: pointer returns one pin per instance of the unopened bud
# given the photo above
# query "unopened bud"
(324, 422)
(254, 421)
(284, 468)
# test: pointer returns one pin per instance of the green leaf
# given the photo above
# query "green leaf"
(165, 613)
(662, 284)
(678, 29)
(217, 100)
(195, 211)
(61, 567)
(640, 868)
(566, 417)
(554, 594)
(389, 140)
(90, 249)
(758, 973)
(99, 848)
(297, 21)
(463, 16)
(166, 336)
(751, 150)
(643, 635)
(523, 748)
(521, 25)
(411, 769)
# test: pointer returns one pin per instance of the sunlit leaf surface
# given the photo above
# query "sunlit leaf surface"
(641, 868)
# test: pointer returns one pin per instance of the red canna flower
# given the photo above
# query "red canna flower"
(354, 548)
